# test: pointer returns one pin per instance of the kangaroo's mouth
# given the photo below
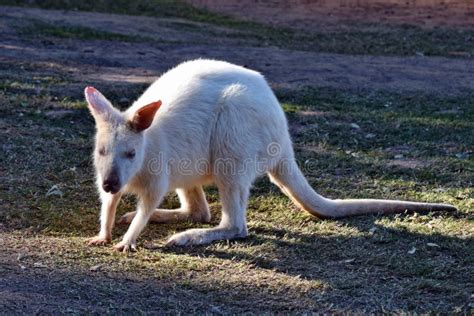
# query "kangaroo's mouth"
(112, 190)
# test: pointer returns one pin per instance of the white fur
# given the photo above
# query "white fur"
(225, 117)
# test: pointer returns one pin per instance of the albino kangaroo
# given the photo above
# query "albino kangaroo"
(203, 122)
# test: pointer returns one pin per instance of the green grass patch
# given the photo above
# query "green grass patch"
(42, 29)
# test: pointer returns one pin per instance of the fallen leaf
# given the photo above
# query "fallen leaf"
(412, 251)
(430, 244)
(58, 114)
(95, 268)
(215, 310)
(460, 53)
(39, 265)
(54, 190)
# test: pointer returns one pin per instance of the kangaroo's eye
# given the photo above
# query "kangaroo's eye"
(130, 154)
(102, 151)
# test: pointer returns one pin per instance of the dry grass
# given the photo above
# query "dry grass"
(349, 143)
(291, 261)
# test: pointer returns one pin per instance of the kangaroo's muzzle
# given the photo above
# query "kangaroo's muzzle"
(111, 183)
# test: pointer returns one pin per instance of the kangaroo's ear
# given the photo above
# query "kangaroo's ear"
(100, 107)
(143, 117)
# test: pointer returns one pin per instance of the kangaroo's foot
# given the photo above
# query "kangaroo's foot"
(126, 246)
(205, 236)
(99, 240)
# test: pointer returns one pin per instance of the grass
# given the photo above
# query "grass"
(348, 143)
(34, 28)
(291, 261)
(361, 39)
(42, 29)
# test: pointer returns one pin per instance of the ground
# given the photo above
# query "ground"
(375, 110)
(330, 14)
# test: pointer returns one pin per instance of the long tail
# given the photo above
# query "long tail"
(292, 182)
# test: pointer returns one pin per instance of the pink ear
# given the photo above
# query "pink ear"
(99, 106)
(143, 117)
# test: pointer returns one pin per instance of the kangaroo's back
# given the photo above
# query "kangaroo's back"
(208, 104)
(198, 84)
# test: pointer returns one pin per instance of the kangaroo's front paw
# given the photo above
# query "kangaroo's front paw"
(125, 246)
(126, 218)
(99, 241)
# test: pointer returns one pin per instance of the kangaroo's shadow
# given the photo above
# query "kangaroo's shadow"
(360, 262)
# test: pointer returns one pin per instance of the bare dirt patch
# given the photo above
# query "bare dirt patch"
(118, 62)
(325, 14)
(409, 163)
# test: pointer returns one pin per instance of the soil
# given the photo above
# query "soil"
(118, 63)
(40, 289)
(313, 14)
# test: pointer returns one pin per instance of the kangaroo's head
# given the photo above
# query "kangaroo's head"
(120, 143)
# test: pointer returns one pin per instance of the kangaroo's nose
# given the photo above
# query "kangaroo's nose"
(111, 183)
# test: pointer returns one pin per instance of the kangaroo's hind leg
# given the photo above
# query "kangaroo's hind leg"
(193, 208)
(234, 196)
